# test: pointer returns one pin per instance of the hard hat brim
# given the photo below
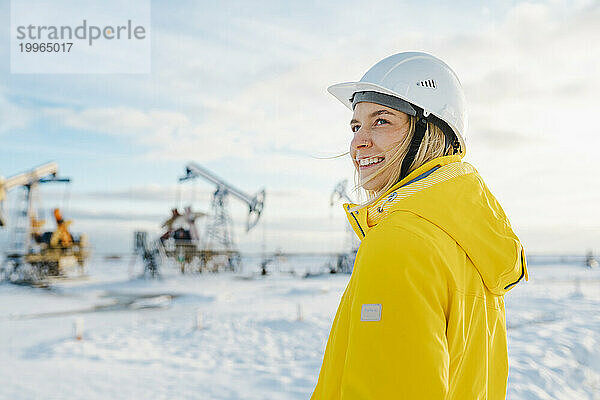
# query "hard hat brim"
(345, 90)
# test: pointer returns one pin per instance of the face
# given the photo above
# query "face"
(377, 131)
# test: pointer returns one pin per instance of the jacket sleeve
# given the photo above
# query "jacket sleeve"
(403, 352)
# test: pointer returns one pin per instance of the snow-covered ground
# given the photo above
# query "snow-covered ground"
(260, 337)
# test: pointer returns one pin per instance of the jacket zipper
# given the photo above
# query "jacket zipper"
(357, 224)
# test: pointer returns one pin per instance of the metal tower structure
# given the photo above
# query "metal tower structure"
(344, 261)
(218, 233)
(29, 181)
(339, 192)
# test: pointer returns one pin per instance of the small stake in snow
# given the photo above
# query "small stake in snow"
(299, 313)
(577, 292)
(78, 328)
(198, 319)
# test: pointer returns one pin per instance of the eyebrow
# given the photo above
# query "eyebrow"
(374, 114)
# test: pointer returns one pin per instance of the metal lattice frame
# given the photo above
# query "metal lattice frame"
(218, 233)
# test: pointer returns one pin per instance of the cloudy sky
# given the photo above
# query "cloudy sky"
(240, 87)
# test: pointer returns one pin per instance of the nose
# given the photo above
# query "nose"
(361, 139)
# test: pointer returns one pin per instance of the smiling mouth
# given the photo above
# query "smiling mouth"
(369, 162)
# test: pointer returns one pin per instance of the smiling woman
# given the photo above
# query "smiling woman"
(423, 314)
(381, 143)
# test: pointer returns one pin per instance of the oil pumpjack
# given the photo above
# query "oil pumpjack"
(196, 250)
(217, 243)
(33, 255)
(344, 262)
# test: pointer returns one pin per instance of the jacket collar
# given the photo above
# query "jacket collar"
(362, 219)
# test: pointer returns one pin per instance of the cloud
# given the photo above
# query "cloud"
(153, 192)
(110, 216)
(533, 64)
(252, 91)
(148, 127)
(259, 147)
(501, 140)
(13, 116)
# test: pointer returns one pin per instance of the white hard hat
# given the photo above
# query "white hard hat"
(420, 79)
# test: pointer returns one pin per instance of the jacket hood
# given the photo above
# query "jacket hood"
(452, 195)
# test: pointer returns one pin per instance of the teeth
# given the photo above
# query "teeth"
(368, 161)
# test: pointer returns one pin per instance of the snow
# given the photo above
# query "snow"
(554, 334)
(244, 336)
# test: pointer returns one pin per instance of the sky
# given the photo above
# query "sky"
(240, 88)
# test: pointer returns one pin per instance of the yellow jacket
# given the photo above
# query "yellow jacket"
(423, 315)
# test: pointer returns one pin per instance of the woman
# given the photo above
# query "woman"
(423, 314)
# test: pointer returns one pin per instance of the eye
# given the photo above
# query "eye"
(380, 119)
(355, 128)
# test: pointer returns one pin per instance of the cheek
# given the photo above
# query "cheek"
(352, 154)
(390, 139)
(352, 143)
(382, 140)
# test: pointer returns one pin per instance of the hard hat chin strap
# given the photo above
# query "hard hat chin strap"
(415, 143)
(451, 139)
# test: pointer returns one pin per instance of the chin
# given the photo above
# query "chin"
(375, 185)
(371, 186)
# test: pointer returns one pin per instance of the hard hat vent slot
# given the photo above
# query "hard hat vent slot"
(429, 83)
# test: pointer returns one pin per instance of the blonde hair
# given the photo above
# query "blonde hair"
(432, 146)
